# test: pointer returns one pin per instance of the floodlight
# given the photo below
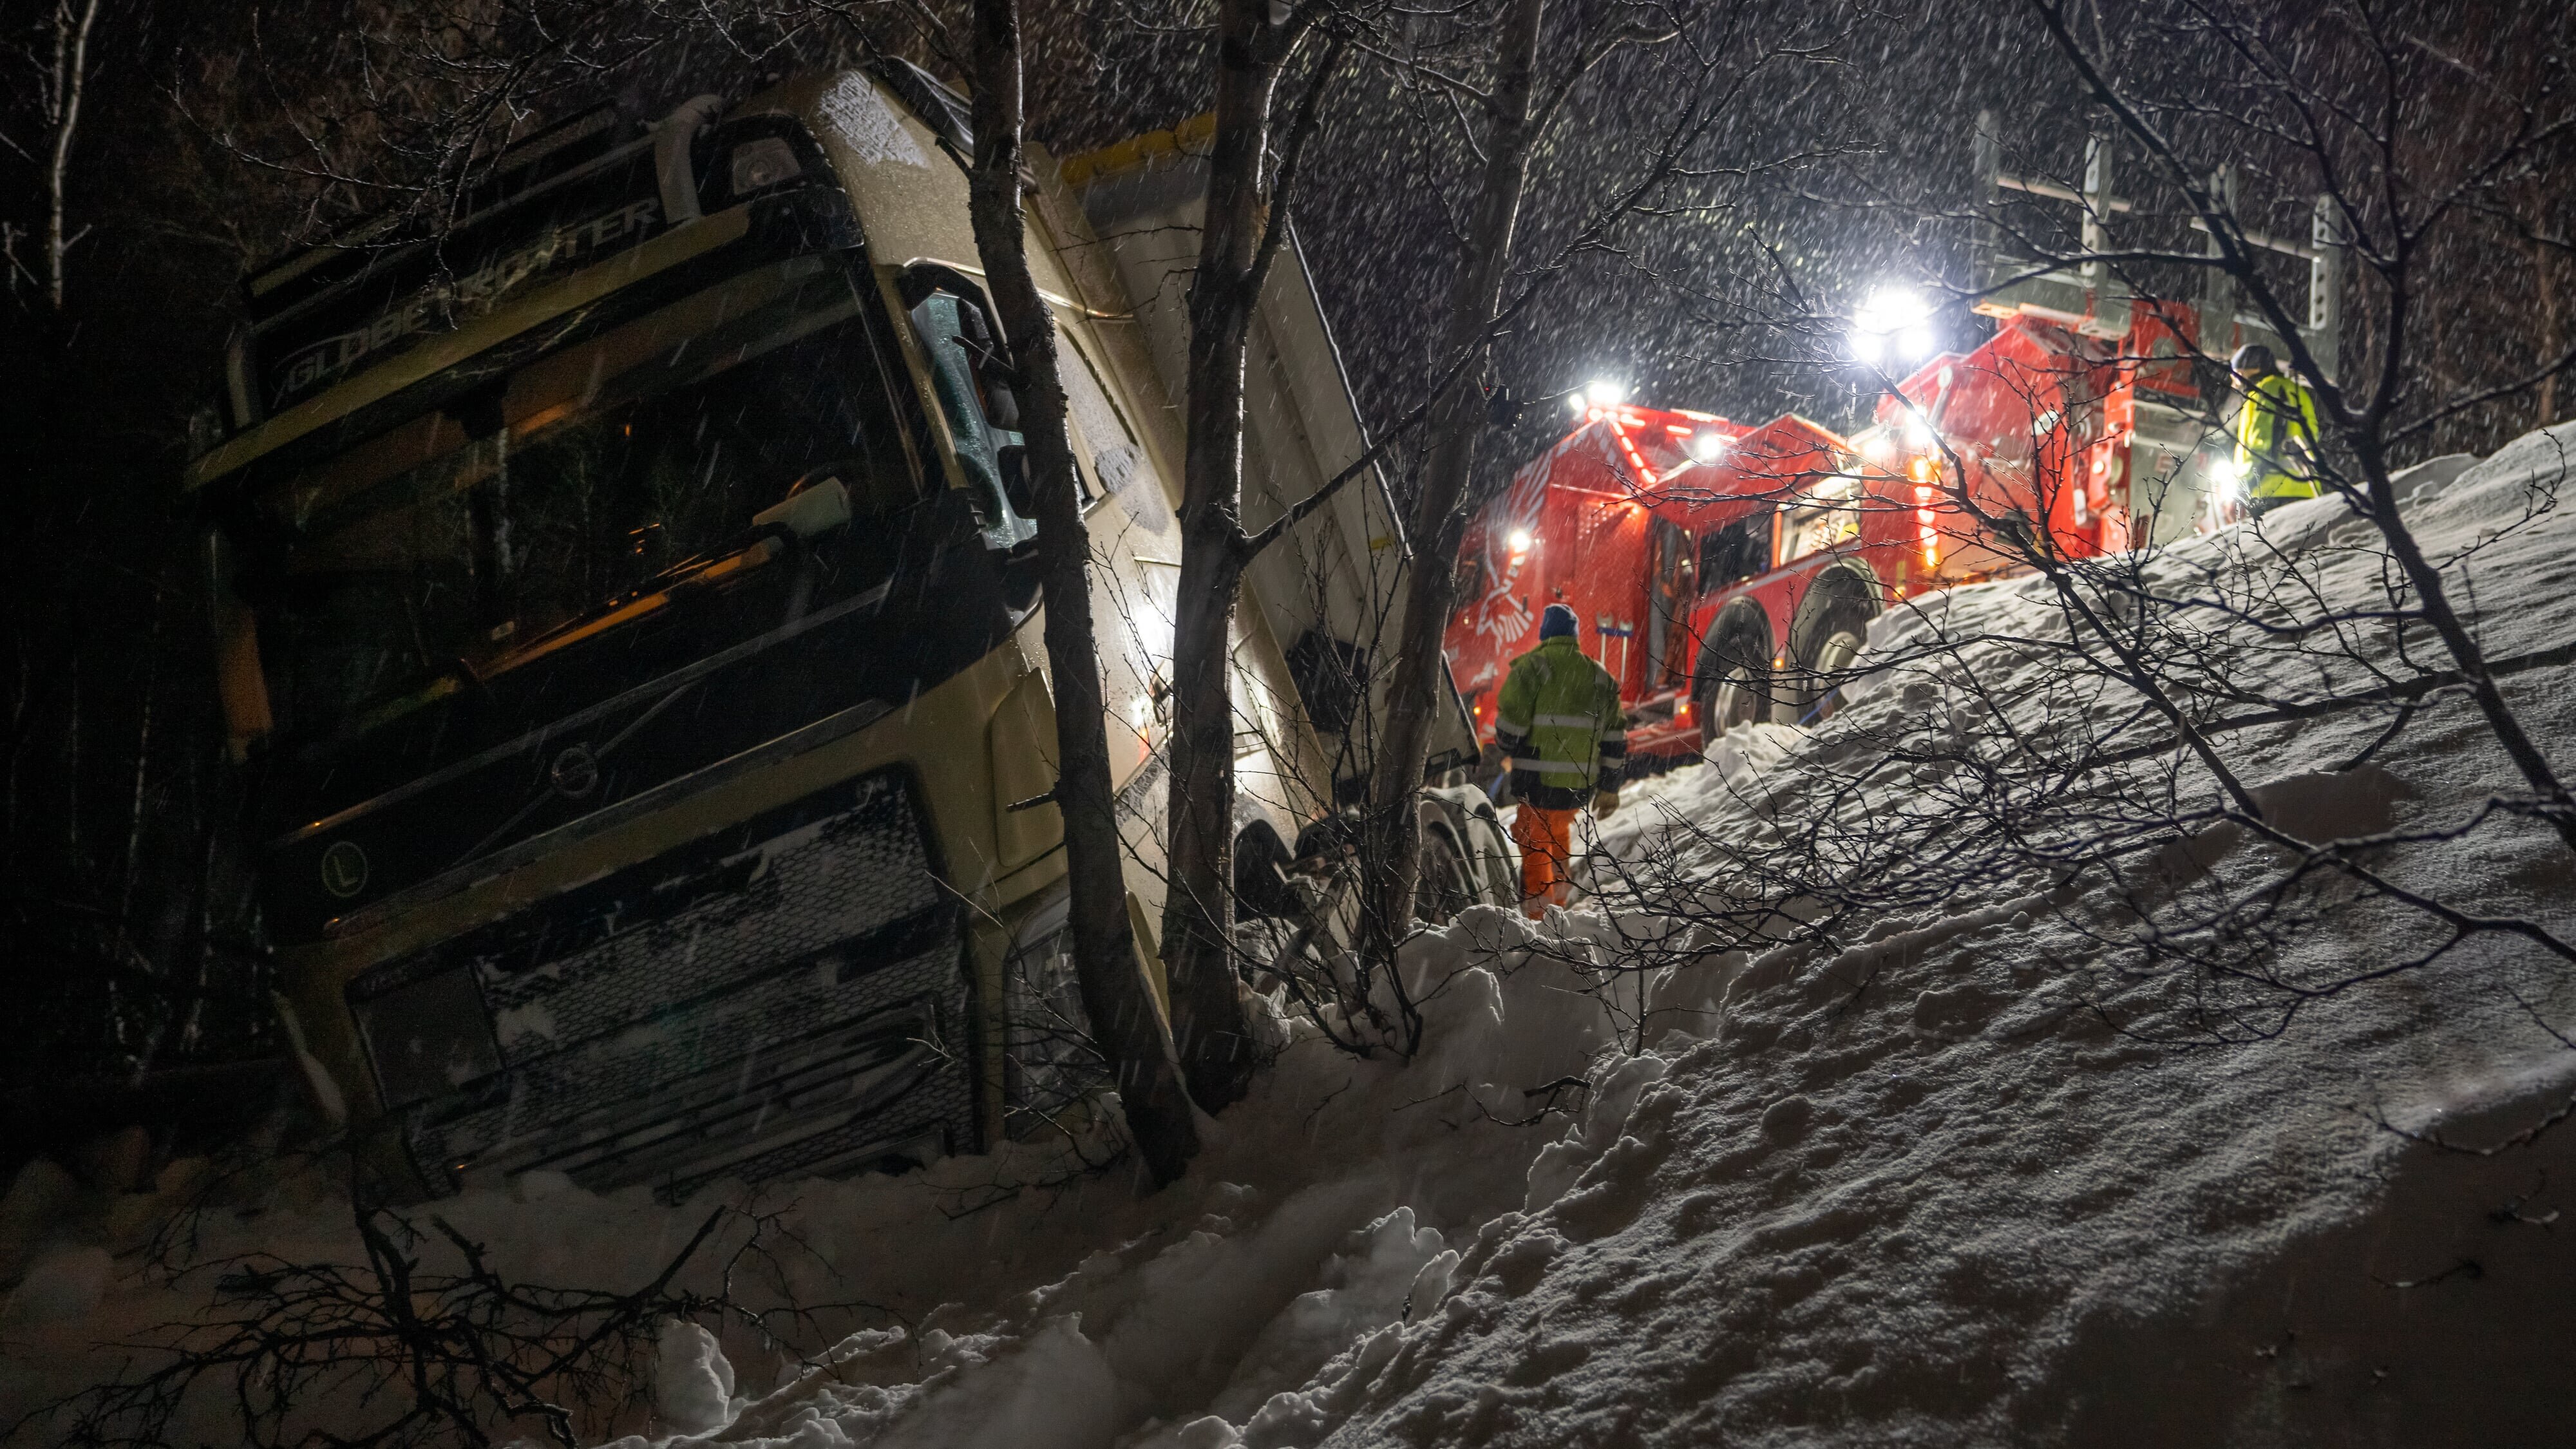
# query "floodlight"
(1896, 320)
(1707, 446)
(1605, 393)
(2230, 477)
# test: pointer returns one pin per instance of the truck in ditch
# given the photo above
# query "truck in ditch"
(628, 623)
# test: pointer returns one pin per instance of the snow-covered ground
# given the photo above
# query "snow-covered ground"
(1933, 1187)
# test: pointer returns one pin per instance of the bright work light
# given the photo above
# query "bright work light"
(2230, 477)
(1520, 540)
(1707, 446)
(1605, 394)
(1894, 325)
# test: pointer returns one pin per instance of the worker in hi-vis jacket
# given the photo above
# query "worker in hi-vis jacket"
(2276, 432)
(1558, 722)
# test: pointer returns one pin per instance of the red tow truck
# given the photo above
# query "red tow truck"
(1726, 574)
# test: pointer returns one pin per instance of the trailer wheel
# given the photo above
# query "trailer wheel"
(1447, 885)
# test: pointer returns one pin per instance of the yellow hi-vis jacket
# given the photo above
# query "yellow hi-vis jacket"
(1559, 720)
(2276, 439)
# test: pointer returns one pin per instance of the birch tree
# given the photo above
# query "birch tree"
(54, 58)
(1115, 997)
(1251, 169)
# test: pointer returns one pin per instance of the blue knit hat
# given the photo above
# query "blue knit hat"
(1557, 622)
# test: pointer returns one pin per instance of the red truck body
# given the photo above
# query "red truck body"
(1576, 527)
(1731, 572)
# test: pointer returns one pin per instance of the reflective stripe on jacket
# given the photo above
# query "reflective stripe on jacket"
(1558, 719)
(2276, 439)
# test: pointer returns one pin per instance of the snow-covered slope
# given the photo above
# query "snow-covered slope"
(1953, 1183)
(1923, 1192)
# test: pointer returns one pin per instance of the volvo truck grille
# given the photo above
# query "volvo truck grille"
(785, 997)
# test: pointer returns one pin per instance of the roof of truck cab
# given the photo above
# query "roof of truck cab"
(1773, 458)
(909, 198)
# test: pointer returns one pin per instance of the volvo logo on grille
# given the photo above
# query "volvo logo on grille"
(344, 869)
(575, 772)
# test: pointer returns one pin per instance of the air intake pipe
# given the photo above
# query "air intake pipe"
(671, 163)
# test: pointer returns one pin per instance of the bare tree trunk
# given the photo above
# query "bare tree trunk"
(142, 767)
(1198, 914)
(1439, 511)
(2544, 281)
(1115, 996)
(71, 76)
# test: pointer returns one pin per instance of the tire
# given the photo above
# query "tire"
(1488, 866)
(1839, 636)
(1261, 889)
(1446, 885)
(1833, 657)
(1737, 694)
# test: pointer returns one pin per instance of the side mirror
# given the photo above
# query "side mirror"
(1022, 577)
(1001, 404)
(974, 396)
(1017, 485)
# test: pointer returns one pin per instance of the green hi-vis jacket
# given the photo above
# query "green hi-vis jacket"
(2276, 439)
(1559, 720)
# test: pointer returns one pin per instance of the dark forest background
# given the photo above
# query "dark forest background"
(210, 136)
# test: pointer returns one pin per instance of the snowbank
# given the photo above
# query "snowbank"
(1924, 1192)
(1938, 1186)
(1014, 1299)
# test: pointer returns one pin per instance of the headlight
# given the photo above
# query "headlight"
(762, 162)
(1049, 1059)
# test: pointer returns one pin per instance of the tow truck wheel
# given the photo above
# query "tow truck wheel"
(1837, 630)
(1734, 697)
(1833, 657)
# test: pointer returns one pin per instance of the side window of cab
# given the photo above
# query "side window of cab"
(1730, 555)
(971, 375)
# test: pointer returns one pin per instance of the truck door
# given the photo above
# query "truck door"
(1669, 596)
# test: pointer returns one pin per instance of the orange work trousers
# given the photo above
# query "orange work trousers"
(1546, 839)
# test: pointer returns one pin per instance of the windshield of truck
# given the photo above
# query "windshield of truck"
(458, 538)
(400, 295)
